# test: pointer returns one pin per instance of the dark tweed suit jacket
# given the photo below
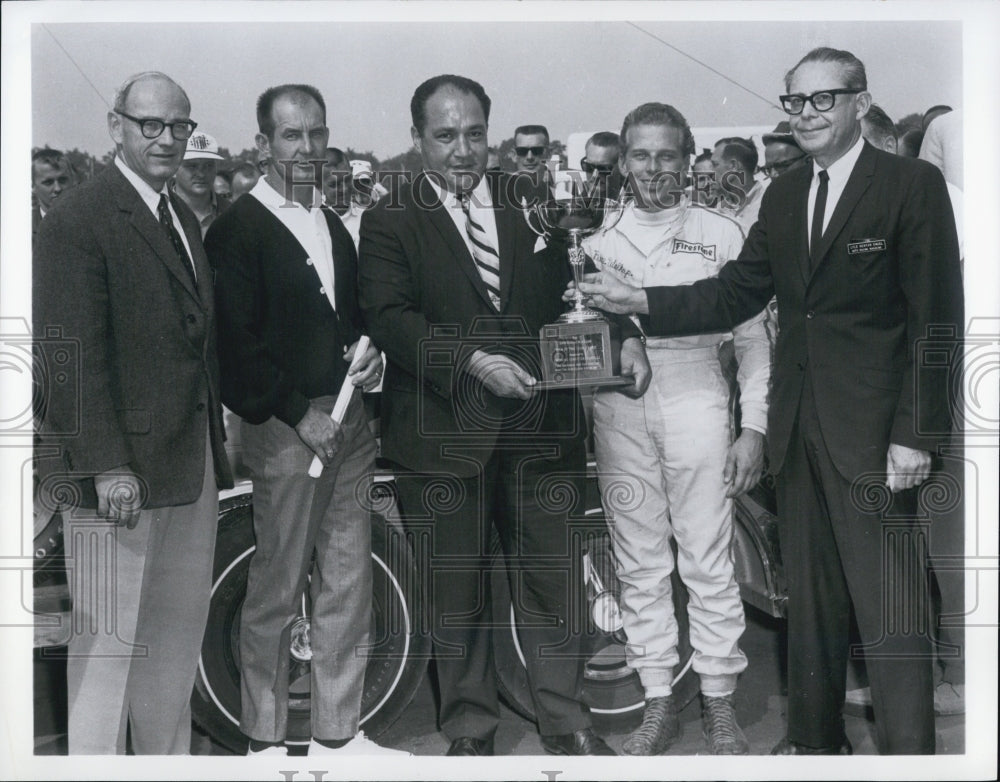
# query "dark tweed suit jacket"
(141, 387)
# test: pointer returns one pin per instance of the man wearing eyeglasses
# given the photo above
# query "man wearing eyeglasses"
(860, 248)
(121, 274)
(782, 152)
(531, 150)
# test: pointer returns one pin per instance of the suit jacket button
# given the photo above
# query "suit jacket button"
(309, 261)
(810, 315)
(200, 406)
(323, 291)
(191, 318)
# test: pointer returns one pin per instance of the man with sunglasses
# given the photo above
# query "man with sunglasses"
(600, 164)
(530, 152)
(782, 152)
(121, 275)
(861, 250)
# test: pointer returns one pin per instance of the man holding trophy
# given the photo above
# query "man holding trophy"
(453, 292)
(673, 444)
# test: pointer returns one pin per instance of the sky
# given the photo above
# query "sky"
(569, 75)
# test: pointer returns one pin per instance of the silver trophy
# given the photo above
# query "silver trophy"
(582, 347)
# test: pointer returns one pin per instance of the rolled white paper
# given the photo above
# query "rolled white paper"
(343, 400)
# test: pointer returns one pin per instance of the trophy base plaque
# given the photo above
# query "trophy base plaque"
(581, 353)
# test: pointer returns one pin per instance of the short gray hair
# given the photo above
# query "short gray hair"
(853, 69)
(121, 94)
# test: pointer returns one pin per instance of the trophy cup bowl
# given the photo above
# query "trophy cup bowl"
(582, 348)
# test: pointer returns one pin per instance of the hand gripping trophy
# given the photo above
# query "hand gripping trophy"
(582, 348)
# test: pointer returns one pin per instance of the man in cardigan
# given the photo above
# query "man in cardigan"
(288, 329)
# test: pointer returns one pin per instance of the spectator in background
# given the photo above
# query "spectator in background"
(932, 114)
(493, 160)
(782, 152)
(735, 163)
(194, 181)
(244, 177)
(942, 144)
(909, 143)
(337, 181)
(366, 191)
(704, 190)
(530, 152)
(878, 130)
(51, 174)
(600, 164)
(223, 187)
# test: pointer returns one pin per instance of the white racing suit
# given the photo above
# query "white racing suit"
(660, 458)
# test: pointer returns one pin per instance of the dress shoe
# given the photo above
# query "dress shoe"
(788, 747)
(580, 742)
(466, 745)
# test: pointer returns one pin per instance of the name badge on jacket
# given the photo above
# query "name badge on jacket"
(865, 246)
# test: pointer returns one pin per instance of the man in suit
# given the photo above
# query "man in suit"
(453, 292)
(120, 270)
(288, 330)
(860, 249)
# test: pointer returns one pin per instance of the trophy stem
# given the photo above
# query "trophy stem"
(577, 258)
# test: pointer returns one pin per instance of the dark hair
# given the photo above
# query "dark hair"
(245, 170)
(853, 69)
(658, 114)
(339, 158)
(880, 122)
(605, 138)
(225, 175)
(704, 157)
(932, 114)
(909, 143)
(299, 93)
(744, 152)
(532, 130)
(423, 93)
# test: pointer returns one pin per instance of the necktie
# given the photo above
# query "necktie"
(819, 211)
(486, 257)
(168, 225)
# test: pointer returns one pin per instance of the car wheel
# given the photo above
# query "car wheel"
(611, 689)
(398, 656)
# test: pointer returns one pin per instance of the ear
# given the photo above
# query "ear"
(863, 101)
(115, 127)
(417, 141)
(263, 146)
(891, 145)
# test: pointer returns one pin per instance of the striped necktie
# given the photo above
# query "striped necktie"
(486, 257)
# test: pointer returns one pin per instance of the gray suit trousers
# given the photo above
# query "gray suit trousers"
(296, 516)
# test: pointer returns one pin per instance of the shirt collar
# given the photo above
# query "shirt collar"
(480, 194)
(149, 196)
(268, 196)
(842, 167)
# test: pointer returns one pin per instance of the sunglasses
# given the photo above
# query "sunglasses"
(523, 151)
(601, 168)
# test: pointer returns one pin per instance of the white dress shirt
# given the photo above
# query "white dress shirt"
(308, 226)
(839, 172)
(151, 198)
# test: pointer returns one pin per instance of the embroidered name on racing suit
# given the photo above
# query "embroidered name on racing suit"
(603, 262)
(708, 251)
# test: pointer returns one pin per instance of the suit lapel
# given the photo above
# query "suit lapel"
(857, 183)
(148, 227)
(445, 226)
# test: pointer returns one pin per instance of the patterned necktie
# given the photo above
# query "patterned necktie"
(819, 211)
(486, 258)
(175, 238)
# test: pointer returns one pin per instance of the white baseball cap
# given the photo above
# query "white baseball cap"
(202, 146)
(361, 169)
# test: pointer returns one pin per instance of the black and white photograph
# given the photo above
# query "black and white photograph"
(291, 491)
